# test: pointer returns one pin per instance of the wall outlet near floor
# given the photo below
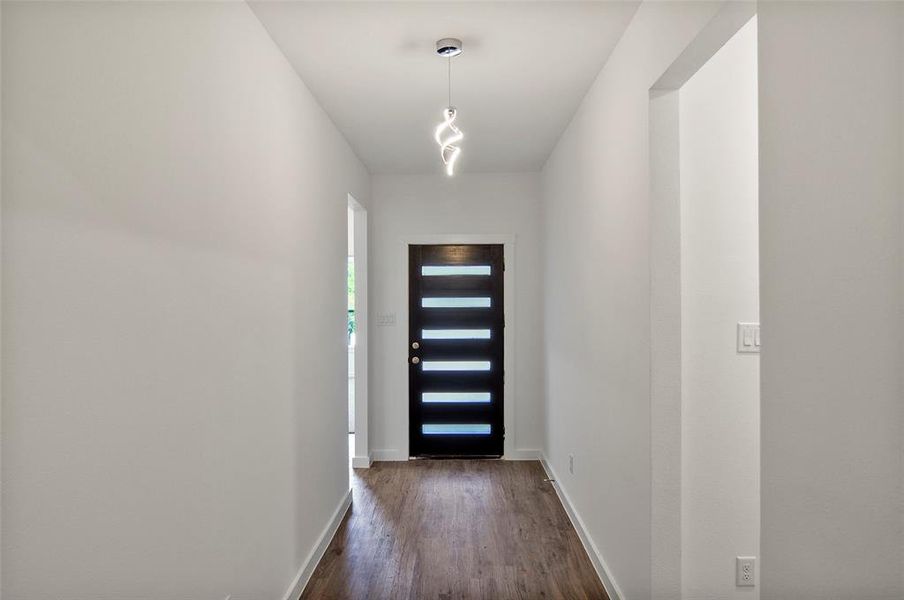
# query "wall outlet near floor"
(571, 463)
(745, 571)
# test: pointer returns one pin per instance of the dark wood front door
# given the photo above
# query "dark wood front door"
(455, 350)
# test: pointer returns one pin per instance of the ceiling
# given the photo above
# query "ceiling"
(523, 72)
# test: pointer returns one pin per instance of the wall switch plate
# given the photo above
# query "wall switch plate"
(745, 575)
(571, 463)
(748, 338)
(386, 319)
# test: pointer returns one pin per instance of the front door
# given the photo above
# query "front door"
(455, 350)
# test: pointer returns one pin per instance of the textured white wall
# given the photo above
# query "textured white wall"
(830, 233)
(665, 346)
(596, 201)
(173, 304)
(720, 286)
(471, 204)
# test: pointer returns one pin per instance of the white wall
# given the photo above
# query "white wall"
(830, 232)
(411, 206)
(719, 288)
(173, 304)
(597, 281)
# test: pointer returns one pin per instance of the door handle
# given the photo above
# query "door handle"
(415, 345)
(415, 360)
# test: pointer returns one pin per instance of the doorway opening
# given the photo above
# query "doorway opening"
(705, 337)
(356, 334)
(351, 324)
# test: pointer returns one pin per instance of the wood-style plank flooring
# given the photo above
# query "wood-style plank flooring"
(455, 529)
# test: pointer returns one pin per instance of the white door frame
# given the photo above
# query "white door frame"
(508, 282)
(665, 301)
(362, 458)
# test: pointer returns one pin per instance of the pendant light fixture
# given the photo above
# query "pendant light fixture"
(447, 135)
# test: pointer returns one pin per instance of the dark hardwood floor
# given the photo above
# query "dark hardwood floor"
(455, 529)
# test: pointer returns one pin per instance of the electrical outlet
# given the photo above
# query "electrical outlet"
(571, 463)
(746, 571)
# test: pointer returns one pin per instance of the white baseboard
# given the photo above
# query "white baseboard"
(592, 551)
(522, 455)
(398, 455)
(390, 455)
(362, 462)
(323, 542)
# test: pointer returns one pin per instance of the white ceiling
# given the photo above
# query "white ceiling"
(523, 72)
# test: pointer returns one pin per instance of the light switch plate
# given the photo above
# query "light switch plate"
(748, 338)
(386, 319)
